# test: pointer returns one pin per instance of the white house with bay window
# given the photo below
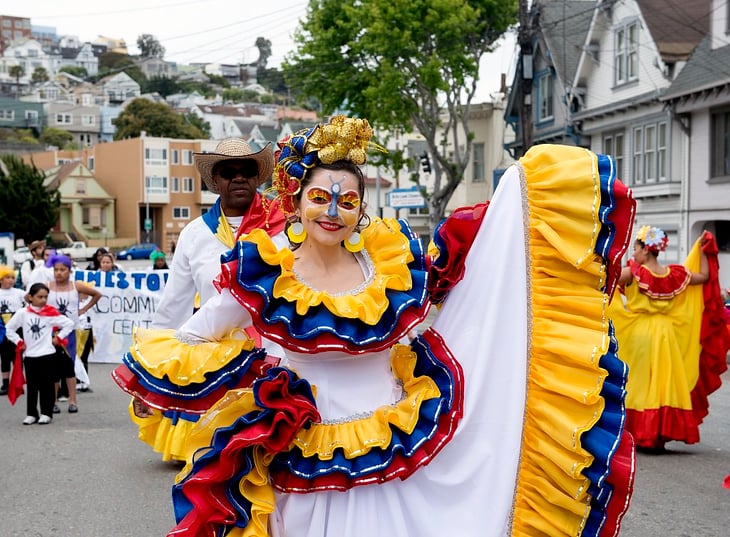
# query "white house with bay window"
(699, 103)
(633, 52)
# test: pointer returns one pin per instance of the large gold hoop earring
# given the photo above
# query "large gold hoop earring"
(296, 233)
(354, 243)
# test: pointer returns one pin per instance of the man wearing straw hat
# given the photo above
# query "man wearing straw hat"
(36, 249)
(234, 171)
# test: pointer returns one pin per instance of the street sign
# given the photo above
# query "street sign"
(406, 198)
(148, 224)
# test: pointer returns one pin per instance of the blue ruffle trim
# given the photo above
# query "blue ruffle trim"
(607, 233)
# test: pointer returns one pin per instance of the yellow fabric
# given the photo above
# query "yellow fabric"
(660, 342)
(568, 337)
(162, 355)
(224, 233)
(388, 249)
(162, 435)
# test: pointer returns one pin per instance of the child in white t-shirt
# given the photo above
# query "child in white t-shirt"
(11, 300)
(39, 323)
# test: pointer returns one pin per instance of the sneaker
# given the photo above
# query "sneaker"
(44, 419)
(56, 410)
(29, 420)
(62, 399)
(72, 409)
(82, 387)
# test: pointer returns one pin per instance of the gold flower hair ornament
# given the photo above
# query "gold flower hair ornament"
(653, 238)
(343, 138)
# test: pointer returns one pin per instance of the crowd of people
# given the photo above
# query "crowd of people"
(284, 368)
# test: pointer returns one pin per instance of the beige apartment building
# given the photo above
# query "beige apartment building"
(154, 181)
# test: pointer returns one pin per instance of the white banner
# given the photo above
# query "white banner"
(129, 299)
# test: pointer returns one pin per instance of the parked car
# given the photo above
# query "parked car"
(138, 251)
(21, 255)
(78, 250)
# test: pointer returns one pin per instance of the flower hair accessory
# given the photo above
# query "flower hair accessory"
(653, 238)
(343, 138)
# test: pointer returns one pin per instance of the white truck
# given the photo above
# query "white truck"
(79, 251)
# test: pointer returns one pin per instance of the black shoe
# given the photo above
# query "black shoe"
(4, 389)
(56, 410)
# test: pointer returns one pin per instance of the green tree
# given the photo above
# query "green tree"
(164, 85)
(56, 137)
(198, 122)
(27, 208)
(150, 47)
(233, 95)
(75, 70)
(402, 64)
(111, 63)
(156, 119)
(16, 71)
(273, 80)
(40, 75)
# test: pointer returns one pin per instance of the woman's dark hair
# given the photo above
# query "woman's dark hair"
(94, 264)
(33, 291)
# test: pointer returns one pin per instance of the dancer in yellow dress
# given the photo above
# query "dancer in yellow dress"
(671, 331)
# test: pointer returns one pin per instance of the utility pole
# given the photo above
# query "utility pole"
(525, 80)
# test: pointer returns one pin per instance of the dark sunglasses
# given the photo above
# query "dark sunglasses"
(247, 169)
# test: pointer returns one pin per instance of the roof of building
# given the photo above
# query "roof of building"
(705, 69)
(676, 27)
(564, 26)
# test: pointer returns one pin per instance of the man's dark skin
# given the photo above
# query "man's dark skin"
(238, 192)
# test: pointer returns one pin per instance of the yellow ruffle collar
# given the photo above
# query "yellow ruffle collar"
(389, 251)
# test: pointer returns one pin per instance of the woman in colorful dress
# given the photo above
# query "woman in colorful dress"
(672, 334)
(494, 421)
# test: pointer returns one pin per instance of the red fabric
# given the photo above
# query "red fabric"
(714, 336)
(622, 217)
(17, 378)
(457, 233)
(45, 311)
(129, 382)
(206, 490)
(652, 428)
(726, 482)
(661, 288)
(621, 478)
(264, 215)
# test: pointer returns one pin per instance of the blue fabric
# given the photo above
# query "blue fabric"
(212, 217)
(607, 233)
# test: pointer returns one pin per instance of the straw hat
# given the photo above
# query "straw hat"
(234, 149)
(36, 244)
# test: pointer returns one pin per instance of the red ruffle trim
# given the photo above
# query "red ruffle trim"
(622, 217)
(653, 428)
(621, 478)
(129, 382)
(457, 233)
(206, 490)
(661, 287)
(714, 336)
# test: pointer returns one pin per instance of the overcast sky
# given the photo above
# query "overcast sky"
(213, 31)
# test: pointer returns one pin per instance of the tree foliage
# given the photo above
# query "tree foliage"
(402, 64)
(27, 208)
(163, 85)
(111, 63)
(150, 47)
(56, 137)
(40, 75)
(156, 119)
(75, 70)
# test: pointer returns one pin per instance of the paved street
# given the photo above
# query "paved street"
(87, 475)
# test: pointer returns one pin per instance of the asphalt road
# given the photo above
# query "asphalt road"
(87, 475)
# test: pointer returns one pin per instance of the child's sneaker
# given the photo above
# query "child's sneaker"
(29, 420)
(62, 399)
(44, 419)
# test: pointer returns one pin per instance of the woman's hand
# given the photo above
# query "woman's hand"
(141, 409)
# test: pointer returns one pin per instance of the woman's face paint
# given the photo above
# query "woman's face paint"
(333, 202)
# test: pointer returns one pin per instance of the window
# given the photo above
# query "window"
(720, 149)
(613, 145)
(88, 120)
(155, 156)
(188, 185)
(187, 157)
(181, 213)
(478, 163)
(31, 115)
(626, 55)
(7, 114)
(175, 184)
(650, 153)
(154, 184)
(63, 119)
(92, 216)
(81, 186)
(175, 154)
(91, 163)
(545, 97)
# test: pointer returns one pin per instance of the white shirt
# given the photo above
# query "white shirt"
(11, 300)
(196, 263)
(37, 331)
(41, 274)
